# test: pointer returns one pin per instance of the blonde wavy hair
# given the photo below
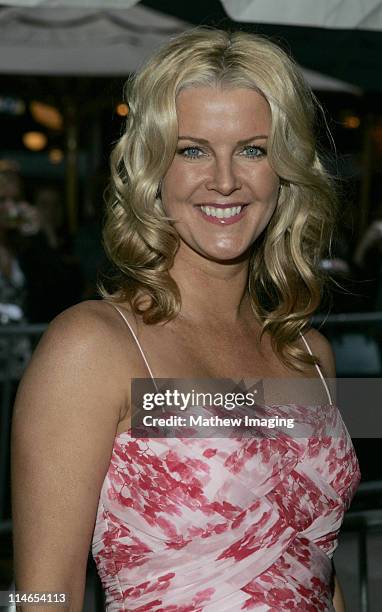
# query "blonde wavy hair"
(285, 282)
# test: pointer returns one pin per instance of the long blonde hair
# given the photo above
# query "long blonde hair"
(285, 282)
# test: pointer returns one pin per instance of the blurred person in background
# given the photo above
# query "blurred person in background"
(368, 261)
(49, 206)
(53, 274)
(87, 243)
(18, 219)
(35, 255)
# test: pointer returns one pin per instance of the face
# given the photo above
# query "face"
(220, 187)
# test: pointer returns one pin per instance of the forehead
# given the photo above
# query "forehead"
(216, 110)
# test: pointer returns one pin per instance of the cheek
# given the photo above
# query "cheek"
(266, 184)
(178, 186)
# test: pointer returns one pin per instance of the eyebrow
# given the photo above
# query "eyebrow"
(240, 142)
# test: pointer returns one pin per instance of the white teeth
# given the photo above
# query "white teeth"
(221, 213)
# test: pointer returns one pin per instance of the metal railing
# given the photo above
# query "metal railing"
(349, 319)
(364, 522)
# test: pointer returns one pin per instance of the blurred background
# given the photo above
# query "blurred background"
(63, 64)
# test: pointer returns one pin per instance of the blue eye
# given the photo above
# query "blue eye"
(187, 149)
(193, 152)
(256, 151)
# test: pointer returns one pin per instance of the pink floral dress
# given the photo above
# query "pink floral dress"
(225, 524)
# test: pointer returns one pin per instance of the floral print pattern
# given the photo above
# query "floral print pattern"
(225, 524)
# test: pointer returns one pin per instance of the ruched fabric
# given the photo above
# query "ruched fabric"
(225, 524)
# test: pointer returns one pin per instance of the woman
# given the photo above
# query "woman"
(219, 213)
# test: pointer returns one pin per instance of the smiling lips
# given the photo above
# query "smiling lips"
(222, 213)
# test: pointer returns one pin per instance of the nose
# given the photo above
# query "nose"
(223, 177)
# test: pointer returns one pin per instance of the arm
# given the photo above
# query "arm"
(322, 348)
(372, 235)
(65, 417)
(338, 597)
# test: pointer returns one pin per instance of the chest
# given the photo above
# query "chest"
(240, 355)
(211, 352)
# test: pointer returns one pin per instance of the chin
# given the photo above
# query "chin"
(230, 252)
(227, 255)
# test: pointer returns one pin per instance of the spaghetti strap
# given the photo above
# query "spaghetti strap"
(319, 370)
(137, 343)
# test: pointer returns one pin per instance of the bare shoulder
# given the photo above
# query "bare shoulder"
(82, 353)
(65, 418)
(90, 329)
(322, 348)
(91, 320)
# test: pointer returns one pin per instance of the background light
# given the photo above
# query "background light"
(351, 122)
(47, 115)
(122, 109)
(56, 156)
(34, 141)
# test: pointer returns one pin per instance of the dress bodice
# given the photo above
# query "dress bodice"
(225, 524)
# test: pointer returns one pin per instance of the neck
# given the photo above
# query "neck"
(210, 290)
